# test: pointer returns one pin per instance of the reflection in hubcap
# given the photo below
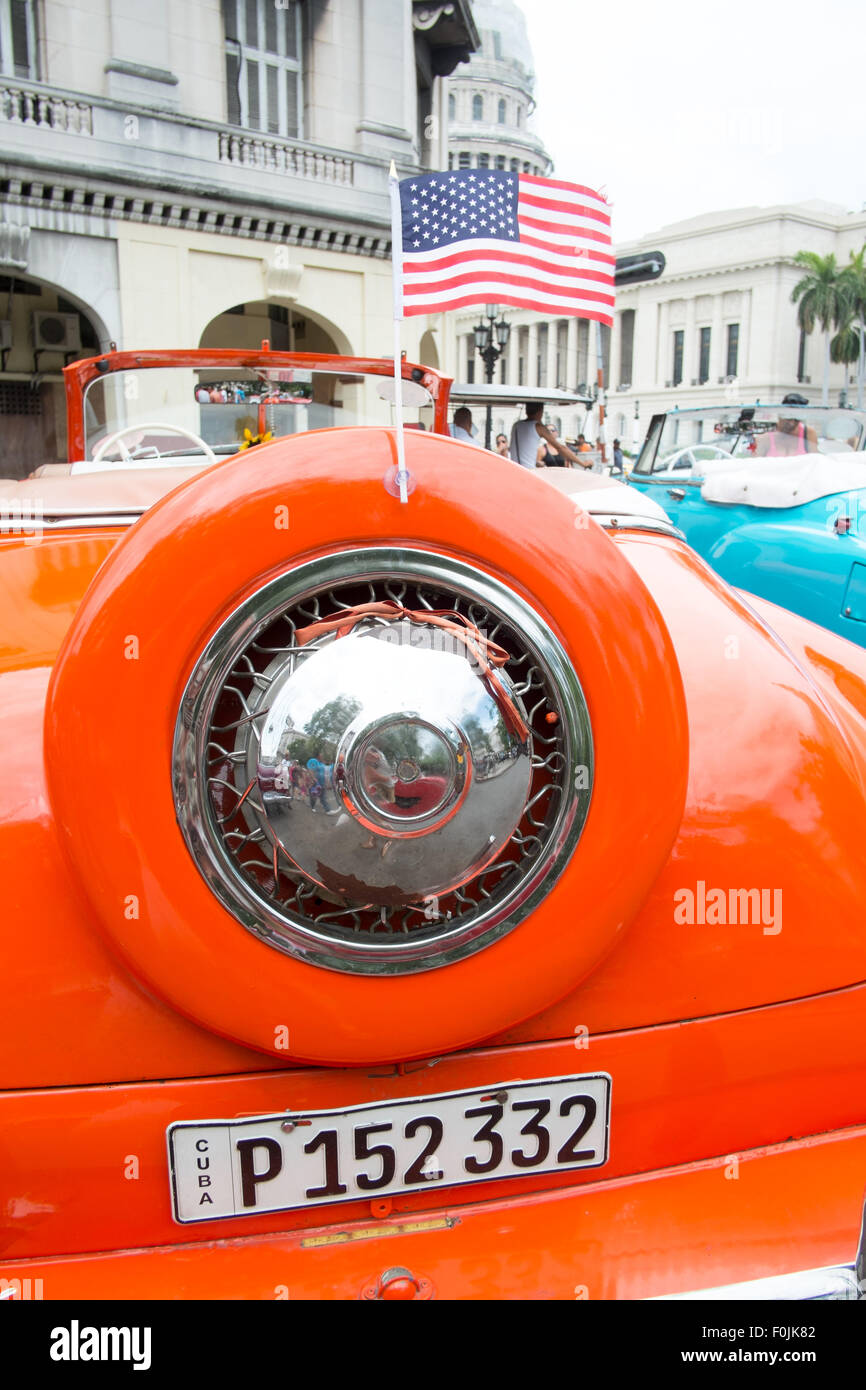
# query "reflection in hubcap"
(354, 714)
(364, 790)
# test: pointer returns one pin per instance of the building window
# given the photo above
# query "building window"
(17, 39)
(464, 159)
(519, 116)
(263, 65)
(452, 106)
(515, 166)
(470, 358)
(704, 356)
(526, 167)
(450, 159)
(733, 350)
(626, 348)
(477, 108)
(679, 335)
(497, 45)
(500, 111)
(500, 161)
(484, 161)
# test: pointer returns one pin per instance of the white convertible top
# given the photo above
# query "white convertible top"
(782, 482)
(600, 495)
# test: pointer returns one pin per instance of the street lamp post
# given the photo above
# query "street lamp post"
(491, 340)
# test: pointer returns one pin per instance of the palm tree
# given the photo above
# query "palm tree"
(853, 278)
(820, 298)
(845, 346)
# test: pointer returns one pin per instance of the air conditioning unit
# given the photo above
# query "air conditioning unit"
(5, 333)
(53, 332)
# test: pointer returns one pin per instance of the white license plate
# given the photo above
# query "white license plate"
(246, 1166)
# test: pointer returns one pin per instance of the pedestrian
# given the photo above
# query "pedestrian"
(317, 790)
(502, 445)
(461, 428)
(790, 435)
(618, 469)
(525, 437)
(548, 455)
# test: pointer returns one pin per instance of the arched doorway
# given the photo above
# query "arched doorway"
(428, 353)
(288, 328)
(41, 330)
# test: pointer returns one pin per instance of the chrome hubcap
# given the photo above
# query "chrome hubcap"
(380, 800)
(342, 721)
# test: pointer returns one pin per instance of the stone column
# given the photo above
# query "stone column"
(571, 355)
(387, 62)
(717, 342)
(552, 337)
(744, 370)
(512, 354)
(532, 356)
(664, 346)
(690, 344)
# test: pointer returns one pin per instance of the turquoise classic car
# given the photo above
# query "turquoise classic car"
(773, 497)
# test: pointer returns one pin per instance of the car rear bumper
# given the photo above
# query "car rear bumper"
(700, 1231)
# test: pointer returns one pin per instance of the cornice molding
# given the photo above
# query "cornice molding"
(63, 197)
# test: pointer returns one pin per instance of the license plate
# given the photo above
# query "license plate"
(242, 1167)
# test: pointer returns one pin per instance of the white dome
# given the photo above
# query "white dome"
(507, 19)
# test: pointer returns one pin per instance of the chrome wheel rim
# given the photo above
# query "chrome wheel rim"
(251, 860)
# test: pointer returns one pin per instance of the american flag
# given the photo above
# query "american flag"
(478, 236)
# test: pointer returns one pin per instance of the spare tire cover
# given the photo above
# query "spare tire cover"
(133, 662)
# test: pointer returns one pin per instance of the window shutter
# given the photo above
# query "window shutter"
(20, 44)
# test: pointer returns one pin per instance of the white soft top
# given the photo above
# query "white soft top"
(600, 495)
(782, 482)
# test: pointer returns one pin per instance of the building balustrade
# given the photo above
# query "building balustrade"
(36, 120)
(283, 157)
(26, 105)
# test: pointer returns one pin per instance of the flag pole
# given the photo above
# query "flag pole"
(397, 276)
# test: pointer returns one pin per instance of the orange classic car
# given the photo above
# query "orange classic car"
(459, 897)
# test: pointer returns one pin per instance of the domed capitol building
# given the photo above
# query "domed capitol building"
(718, 324)
(491, 100)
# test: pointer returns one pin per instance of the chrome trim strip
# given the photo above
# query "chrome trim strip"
(69, 523)
(291, 933)
(617, 521)
(808, 1285)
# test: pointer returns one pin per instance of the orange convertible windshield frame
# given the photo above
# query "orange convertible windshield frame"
(79, 375)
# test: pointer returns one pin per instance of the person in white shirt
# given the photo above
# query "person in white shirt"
(527, 434)
(461, 428)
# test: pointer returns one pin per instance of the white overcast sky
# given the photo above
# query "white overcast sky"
(682, 107)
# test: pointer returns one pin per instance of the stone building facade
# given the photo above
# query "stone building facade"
(719, 323)
(205, 172)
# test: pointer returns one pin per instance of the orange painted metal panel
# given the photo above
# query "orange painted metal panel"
(218, 531)
(682, 1092)
(793, 1207)
(793, 821)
